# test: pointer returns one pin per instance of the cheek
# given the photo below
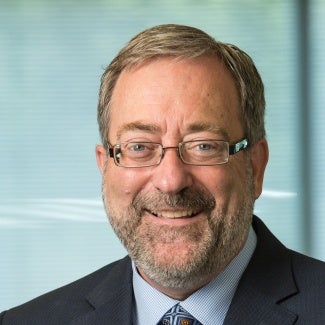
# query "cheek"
(226, 184)
(122, 184)
(217, 180)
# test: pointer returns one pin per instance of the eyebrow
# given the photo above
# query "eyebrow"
(154, 128)
(207, 127)
(137, 126)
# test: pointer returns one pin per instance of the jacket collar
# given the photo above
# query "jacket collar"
(267, 281)
(111, 299)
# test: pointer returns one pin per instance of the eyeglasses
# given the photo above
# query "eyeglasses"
(197, 152)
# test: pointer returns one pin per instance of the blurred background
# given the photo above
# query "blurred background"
(53, 227)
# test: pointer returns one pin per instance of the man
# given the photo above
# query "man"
(181, 118)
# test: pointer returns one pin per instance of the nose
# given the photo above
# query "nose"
(172, 176)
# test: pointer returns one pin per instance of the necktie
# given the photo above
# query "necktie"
(177, 315)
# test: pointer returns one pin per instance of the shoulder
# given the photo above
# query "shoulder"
(309, 275)
(299, 278)
(309, 300)
(268, 245)
(70, 301)
(281, 285)
(273, 255)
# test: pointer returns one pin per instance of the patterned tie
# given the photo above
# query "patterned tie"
(177, 315)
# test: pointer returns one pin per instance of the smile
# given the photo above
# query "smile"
(174, 214)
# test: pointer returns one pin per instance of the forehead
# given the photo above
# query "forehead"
(169, 94)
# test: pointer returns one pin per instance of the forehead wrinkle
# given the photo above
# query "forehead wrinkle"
(137, 126)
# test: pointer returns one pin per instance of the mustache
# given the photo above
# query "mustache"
(196, 199)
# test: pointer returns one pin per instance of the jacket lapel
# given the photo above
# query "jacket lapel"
(111, 299)
(253, 307)
(267, 281)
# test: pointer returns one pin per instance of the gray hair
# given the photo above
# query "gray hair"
(182, 42)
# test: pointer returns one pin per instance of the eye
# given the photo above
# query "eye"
(205, 146)
(139, 150)
(137, 147)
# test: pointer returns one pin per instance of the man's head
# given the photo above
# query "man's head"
(181, 223)
(180, 42)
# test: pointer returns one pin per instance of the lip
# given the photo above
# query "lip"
(174, 214)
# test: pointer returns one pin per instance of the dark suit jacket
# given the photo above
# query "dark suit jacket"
(279, 286)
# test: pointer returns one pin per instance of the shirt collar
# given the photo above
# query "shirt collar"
(209, 304)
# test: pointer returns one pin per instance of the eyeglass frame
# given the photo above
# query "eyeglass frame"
(232, 150)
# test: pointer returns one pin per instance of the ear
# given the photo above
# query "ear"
(101, 157)
(259, 159)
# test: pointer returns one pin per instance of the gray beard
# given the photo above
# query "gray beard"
(209, 250)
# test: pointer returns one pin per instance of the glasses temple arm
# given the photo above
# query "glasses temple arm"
(241, 145)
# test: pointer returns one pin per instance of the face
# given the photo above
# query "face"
(181, 224)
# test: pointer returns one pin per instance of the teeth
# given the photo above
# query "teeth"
(173, 214)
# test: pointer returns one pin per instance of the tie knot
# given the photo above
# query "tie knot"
(177, 315)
